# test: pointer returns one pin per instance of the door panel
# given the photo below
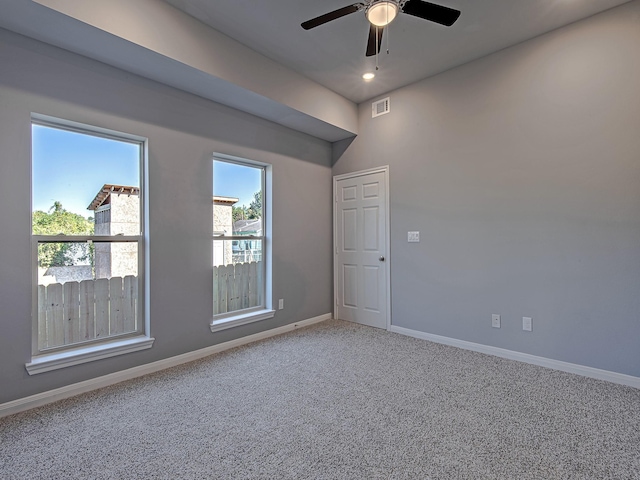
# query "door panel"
(361, 290)
(349, 230)
(349, 193)
(370, 190)
(371, 299)
(350, 276)
(371, 227)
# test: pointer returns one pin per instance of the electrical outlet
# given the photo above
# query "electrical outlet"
(281, 304)
(413, 237)
(527, 324)
(495, 321)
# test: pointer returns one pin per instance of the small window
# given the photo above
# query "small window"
(240, 257)
(87, 236)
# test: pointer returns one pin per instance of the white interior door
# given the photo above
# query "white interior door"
(361, 263)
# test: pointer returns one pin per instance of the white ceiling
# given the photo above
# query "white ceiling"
(334, 54)
(253, 55)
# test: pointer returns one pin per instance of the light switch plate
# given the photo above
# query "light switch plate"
(413, 237)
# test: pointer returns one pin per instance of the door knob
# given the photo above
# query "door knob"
(381, 259)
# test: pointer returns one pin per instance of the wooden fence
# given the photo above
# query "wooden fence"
(76, 312)
(236, 287)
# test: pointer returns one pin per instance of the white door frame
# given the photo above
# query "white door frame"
(387, 254)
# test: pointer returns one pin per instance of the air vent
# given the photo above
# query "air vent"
(380, 107)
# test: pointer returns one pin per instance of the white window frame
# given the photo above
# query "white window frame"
(236, 318)
(74, 354)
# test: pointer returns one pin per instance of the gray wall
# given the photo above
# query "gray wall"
(522, 173)
(144, 22)
(183, 131)
(194, 58)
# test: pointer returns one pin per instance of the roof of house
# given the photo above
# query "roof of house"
(224, 200)
(107, 189)
(247, 226)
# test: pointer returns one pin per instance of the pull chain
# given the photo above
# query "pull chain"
(388, 29)
(377, 49)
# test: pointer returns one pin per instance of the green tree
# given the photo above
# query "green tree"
(59, 221)
(255, 207)
(239, 213)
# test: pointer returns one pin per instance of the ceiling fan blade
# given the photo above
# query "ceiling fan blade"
(432, 12)
(327, 17)
(371, 42)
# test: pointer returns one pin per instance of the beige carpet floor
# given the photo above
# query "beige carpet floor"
(335, 401)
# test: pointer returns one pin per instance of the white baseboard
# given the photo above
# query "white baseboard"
(50, 396)
(585, 371)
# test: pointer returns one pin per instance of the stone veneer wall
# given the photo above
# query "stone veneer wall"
(222, 222)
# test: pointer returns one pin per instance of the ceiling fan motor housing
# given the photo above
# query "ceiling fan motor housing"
(382, 12)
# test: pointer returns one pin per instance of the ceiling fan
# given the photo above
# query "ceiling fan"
(381, 13)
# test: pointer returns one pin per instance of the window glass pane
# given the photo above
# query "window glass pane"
(230, 252)
(66, 254)
(249, 250)
(77, 303)
(239, 283)
(222, 252)
(238, 212)
(89, 185)
(83, 184)
(237, 199)
(115, 259)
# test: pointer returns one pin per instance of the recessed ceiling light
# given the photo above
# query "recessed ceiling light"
(368, 76)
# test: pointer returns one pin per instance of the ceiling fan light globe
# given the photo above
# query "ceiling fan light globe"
(382, 13)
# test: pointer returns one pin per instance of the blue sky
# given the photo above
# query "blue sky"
(71, 168)
(238, 181)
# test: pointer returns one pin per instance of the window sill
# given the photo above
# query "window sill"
(76, 356)
(241, 319)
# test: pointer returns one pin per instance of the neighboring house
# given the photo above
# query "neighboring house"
(248, 227)
(222, 225)
(117, 212)
(247, 250)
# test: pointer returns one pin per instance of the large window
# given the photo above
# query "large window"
(87, 238)
(240, 248)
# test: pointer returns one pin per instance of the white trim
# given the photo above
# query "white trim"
(42, 361)
(239, 160)
(383, 169)
(75, 356)
(267, 224)
(78, 127)
(22, 404)
(359, 173)
(237, 320)
(86, 238)
(613, 377)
